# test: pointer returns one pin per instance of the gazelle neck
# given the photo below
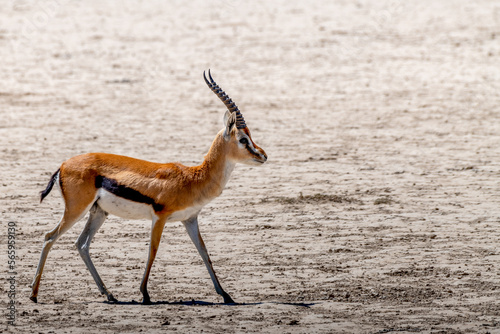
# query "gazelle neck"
(216, 168)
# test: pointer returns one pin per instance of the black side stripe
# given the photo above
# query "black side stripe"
(125, 192)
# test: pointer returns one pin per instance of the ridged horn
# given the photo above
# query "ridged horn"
(231, 106)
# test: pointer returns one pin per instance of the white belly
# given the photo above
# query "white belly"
(124, 208)
(128, 209)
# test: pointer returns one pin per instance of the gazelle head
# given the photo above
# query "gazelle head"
(236, 133)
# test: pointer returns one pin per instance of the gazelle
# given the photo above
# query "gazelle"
(136, 189)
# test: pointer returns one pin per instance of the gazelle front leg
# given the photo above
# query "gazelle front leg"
(156, 232)
(192, 229)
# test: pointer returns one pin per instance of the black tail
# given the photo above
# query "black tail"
(47, 190)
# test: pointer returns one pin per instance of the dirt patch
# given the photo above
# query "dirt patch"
(311, 199)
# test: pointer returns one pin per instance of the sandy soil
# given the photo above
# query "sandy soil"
(378, 210)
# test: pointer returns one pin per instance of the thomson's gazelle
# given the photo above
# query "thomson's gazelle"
(137, 189)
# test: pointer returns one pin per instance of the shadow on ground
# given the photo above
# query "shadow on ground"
(204, 303)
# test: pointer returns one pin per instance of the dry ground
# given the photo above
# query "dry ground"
(378, 210)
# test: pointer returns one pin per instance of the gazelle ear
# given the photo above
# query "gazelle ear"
(229, 121)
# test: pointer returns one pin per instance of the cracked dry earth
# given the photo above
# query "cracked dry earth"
(378, 210)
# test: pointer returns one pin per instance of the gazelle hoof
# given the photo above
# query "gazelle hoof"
(34, 299)
(228, 299)
(112, 299)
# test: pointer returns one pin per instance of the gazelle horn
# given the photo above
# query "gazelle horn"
(231, 106)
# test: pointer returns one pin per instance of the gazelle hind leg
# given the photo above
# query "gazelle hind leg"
(192, 229)
(67, 221)
(96, 219)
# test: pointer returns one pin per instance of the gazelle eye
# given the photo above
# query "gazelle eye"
(244, 141)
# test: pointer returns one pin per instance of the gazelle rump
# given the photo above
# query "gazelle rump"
(102, 183)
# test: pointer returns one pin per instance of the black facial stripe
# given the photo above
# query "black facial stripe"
(125, 192)
(249, 149)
